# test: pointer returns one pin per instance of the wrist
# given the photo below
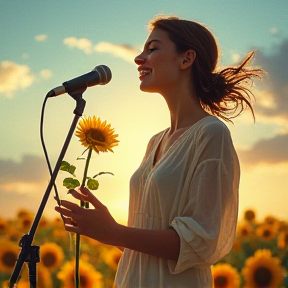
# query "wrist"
(117, 239)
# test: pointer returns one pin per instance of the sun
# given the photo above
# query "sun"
(263, 270)
(95, 134)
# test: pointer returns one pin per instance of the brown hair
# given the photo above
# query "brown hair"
(223, 93)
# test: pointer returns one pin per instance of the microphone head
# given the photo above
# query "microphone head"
(105, 74)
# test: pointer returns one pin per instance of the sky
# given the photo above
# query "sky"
(45, 43)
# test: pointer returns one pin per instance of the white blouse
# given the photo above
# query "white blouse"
(193, 189)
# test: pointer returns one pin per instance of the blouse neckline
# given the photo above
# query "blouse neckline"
(183, 136)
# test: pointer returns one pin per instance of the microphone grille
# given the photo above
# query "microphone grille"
(105, 74)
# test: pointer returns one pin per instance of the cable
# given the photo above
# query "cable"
(45, 150)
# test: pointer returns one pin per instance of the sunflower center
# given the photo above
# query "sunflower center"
(9, 258)
(26, 223)
(2, 226)
(220, 282)
(286, 240)
(95, 135)
(245, 232)
(266, 233)
(84, 281)
(116, 259)
(262, 276)
(48, 259)
(249, 215)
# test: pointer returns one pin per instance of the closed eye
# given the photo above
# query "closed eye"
(151, 50)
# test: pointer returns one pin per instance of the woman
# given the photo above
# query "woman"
(184, 196)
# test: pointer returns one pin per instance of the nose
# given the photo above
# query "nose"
(139, 59)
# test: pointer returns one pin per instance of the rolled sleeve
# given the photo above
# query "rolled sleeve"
(207, 227)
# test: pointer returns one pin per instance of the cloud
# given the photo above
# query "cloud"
(24, 176)
(41, 37)
(46, 74)
(273, 31)
(30, 169)
(276, 87)
(125, 52)
(83, 44)
(269, 151)
(14, 77)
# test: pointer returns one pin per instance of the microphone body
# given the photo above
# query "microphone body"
(99, 75)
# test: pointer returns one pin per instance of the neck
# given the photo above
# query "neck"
(185, 109)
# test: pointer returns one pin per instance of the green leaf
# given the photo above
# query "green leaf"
(71, 183)
(65, 166)
(92, 184)
(101, 173)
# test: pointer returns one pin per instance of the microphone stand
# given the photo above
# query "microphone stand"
(28, 253)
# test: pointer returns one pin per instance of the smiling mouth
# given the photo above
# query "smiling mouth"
(145, 72)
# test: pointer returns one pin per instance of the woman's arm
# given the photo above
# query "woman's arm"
(99, 224)
(160, 243)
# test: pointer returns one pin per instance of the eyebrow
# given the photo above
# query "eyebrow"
(153, 40)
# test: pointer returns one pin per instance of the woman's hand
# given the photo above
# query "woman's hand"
(95, 223)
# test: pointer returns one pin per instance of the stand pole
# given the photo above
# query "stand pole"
(33, 259)
(26, 240)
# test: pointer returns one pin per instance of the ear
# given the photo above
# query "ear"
(188, 59)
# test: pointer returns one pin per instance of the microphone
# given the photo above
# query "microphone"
(99, 75)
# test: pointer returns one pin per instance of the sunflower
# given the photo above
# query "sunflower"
(13, 234)
(43, 224)
(51, 256)
(266, 231)
(8, 255)
(244, 230)
(271, 220)
(25, 222)
(283, 239)
(57, 222)
(96, 134)
(225, 276)
(23, 212)
(263, 270)
(44, 278)
(21, 284)
(3, 226)
(112, 257)
(249, 215)
(89, 277)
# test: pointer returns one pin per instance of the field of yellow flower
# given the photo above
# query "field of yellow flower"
(57, 247)
(259, 257)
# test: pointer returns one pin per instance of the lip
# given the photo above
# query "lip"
(141, 68)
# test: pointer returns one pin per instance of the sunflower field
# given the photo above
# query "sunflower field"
(258, 259)
(98, 262)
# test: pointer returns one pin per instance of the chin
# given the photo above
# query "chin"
(147, 88)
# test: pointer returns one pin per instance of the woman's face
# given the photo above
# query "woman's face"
(159, 63)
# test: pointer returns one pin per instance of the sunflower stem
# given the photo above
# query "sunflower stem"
(82, 204)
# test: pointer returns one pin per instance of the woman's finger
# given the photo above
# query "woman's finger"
(78, 194)
(65, 212)
(71, 228)
(69, 205)
(91, 198)
(68, 209)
